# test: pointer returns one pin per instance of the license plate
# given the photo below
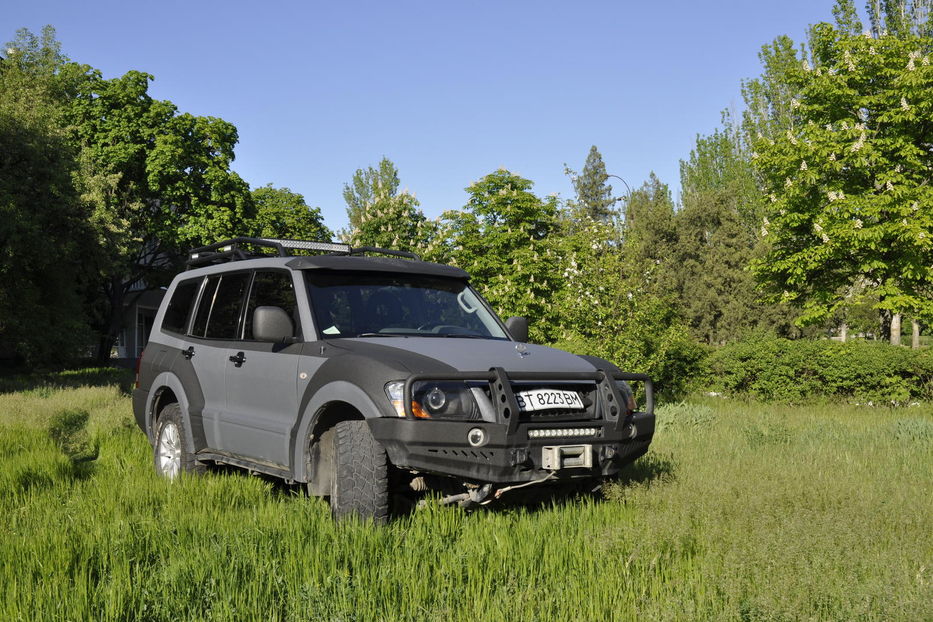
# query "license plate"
(548, 399)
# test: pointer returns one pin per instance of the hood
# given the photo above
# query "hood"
(473, 354)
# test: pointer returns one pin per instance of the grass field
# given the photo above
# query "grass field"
(739, 512)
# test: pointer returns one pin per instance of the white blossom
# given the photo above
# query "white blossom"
(772, 197)
(904, 104)
(847, 59)
(803, 165)
(832, 156)
(794, 103)
(764, 232)
(831, 195)
(845, 125)
(871, 50)
(858, 223)
(888, 186)
(910, 64)
(925, 61)
(825, 238)
(791, 137)
(817, 227)
(806, 65)
(787, 182)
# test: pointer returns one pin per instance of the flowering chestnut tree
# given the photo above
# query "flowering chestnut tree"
(849, 181)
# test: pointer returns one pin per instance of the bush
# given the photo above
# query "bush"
(773, 369)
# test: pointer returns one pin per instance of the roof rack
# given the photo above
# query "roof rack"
(232, 250)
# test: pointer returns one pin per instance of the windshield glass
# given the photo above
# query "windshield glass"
(348, 304)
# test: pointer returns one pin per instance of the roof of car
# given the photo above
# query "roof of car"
(375, 264)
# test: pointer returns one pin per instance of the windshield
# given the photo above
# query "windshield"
(348, 304)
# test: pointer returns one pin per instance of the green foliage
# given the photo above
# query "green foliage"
(773, 369)
(707, 526)
(505, 238)
(380, 215)
(41, 219)
(594, 196)
(281, 213)
(851, 206)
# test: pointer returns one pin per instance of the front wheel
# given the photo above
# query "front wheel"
(171, 453)
(360, 486)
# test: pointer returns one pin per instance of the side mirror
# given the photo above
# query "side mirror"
(272, 324)
(518, 328)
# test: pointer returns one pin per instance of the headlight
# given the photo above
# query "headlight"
(435, 400)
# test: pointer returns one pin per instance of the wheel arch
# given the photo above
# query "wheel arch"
(168, 389)
(332, 403)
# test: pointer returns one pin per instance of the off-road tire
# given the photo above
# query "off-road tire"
(361, 474)
(171, 416)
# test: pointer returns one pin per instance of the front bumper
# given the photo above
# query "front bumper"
(442, 447)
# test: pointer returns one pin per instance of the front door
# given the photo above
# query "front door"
(262, 379)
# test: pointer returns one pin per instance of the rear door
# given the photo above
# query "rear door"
(262, 381)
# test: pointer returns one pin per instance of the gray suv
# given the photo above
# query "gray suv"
(371, 376)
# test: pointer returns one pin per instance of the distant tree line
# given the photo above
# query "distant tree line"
(810, 213)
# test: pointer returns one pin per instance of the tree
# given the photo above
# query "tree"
(42, 224)
(594, 196)
(157, 182)
(281, 213)
(382, 216)
(650, 236)
(502, 237)
(849, 178)
(716, 239)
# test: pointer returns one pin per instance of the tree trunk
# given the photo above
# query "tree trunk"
(915, 334)
(843, 332)
(114, 321)
(895, 329)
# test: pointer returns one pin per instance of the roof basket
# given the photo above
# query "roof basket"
(232, 250)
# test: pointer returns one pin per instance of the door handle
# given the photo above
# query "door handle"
(238, 360)
(188, 353)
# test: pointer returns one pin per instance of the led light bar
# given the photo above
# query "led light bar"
(562, 432)
(328, 247)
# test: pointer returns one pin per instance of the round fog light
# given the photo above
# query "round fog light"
(476, 437)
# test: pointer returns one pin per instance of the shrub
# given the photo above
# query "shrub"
(773, 369)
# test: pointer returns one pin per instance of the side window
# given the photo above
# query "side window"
(271, 289)
(179, 307)
(204, 307)
(224, 319)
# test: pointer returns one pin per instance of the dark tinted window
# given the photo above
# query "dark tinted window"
(349, 304)
(204, 307)
(179, 307)
(225, 312)
(271, 289)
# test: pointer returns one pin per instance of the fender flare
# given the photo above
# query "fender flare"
(337, 391)
(167, 380)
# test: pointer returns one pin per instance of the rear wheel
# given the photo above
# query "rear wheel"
(360, 485)
(171, 453)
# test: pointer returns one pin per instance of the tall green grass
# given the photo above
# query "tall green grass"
(739, 512)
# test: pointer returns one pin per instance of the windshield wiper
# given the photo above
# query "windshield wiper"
(382, 335)
(465, 336)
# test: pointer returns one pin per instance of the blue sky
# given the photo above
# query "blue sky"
(449, 91)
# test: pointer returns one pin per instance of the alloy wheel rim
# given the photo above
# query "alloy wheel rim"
(169, 450)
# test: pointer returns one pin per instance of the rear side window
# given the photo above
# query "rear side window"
(271, 289)
(224, 319)
(179, 307)
(204, 308)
